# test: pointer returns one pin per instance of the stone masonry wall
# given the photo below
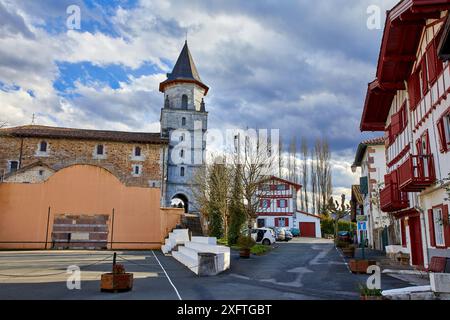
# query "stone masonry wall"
(119, 157)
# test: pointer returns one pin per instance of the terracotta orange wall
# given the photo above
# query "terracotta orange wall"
(83, 190)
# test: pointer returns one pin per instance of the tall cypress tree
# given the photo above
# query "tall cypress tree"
(237, 213)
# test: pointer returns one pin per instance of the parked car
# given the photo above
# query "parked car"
(295, 232)
(280, 233)
(265, 236)
(288, 235)
(345, 236)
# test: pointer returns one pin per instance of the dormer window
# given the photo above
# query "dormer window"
(100, 150)
(43, 146)
(184, 101)
(137, 151)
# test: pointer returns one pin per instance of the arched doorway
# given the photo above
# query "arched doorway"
(180, 201)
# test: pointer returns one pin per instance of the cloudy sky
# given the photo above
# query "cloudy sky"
(299, 66)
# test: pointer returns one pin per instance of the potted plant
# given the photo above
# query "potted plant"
(349, 251)
(245, 244)
(118, 280)
(369, 294)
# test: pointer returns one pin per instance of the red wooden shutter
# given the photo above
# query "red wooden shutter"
(395, 122)
(432, 63)
(439, 64)
(431, 225)
(446, 225)
(261, 203)
(424, 75)
(277, 222)
(418, 146)
(442, 140)
(278, 203)
(427, 141)
(412, 91)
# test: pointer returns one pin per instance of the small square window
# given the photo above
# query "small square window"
(137, 151)
(13, 166)
(100, 150)
(43, 146)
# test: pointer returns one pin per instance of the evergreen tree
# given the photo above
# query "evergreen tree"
(236, 209)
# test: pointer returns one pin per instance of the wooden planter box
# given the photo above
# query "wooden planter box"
(360, 266)
(244, 253)
(348, 252)
(111, 282)
(370, 298)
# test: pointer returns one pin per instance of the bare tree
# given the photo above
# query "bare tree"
(339, 211)
(293, 160)
(305, 175)
(255, 164)
(313, 183)
(323, 171)
(3, 124)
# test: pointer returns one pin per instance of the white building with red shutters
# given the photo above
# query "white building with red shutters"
(409, 101)
(278, 208)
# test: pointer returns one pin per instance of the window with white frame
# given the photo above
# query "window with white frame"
(283, 222)
(137, 170)
(438, 226)
(282, 203)
(137, 151)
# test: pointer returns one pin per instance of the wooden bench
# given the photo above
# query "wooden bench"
(437, 265)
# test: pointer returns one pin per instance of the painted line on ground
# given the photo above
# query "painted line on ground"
(346, 264)
(168, 278)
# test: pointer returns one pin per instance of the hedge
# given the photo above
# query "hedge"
(327, 226)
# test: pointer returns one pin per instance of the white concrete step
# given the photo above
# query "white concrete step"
(202, 247)
(205, 240)
(189, 262)
(188, 251)
(222, 252)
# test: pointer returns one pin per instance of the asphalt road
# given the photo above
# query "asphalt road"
(296, 270)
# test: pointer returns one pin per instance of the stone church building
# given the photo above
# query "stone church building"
(79, 188)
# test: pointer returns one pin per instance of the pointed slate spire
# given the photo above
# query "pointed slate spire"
(184, 70)
(184, 67)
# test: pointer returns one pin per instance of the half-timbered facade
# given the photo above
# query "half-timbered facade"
(278, 207)
(277, 202)
(408, 100)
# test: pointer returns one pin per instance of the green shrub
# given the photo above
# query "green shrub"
(245, 242)
(260, 249)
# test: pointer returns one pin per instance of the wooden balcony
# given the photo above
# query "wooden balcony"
(417, 173)
(392, 199)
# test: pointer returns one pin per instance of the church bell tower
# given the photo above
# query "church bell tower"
(183, 122)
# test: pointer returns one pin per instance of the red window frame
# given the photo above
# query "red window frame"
(261, 203)
(279, 203)
(444, 144)
(446, 226)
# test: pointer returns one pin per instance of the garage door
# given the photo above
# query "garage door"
(80, 232)
(307, 229)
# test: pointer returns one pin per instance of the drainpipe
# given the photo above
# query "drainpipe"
(20, 153)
